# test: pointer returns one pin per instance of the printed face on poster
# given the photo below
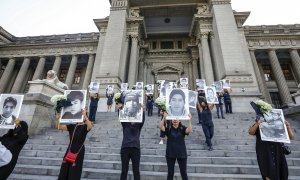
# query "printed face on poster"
(177, 102)
(226, 84)
(139, 85)
(132, 110)
(184, 82)
(163, 88)
(219, 86)
(274, 129)
(72, 114)
(211, 95)
(124, 86)
(193, 99)
(150, 88)
(10, 109)
(200, 83)
(94, 87)
(110, 89)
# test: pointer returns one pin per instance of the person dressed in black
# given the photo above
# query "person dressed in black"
(176, 149)
(77, 133)
(130, 148)
(150, 104)
(220, 105)
(74, 111)
(270, 155)
(227, 101)
(207, 123)
(13, 140)
(109, 101)
(93, 107)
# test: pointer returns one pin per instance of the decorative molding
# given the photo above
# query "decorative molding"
(119, 5)
(202, 9)
(134, 12)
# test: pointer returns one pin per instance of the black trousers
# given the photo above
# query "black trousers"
(228, 107)
(135, 155)
(93, 111)
(182, 166)
(208, 130)
(150, 110)
(199, 116)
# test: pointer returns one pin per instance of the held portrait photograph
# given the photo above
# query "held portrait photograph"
(72, 114)
(10, 109)
(226, 84)
(219, 86)
(163, 88)
(274, 128)
(200, 84)
(110, 89)
(184, 82)
(124, 86)
(211, 95)
(149, 89)
(94, 87)
(177, 103)
(139, 85)
(132, 110)
(193, 99)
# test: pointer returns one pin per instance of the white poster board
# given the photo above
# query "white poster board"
(149, 89)
(110, 89)
(124, 86)
(200, 84)
(219, 86)
(132, 110)
(72, 114)
(10, 109)
(177, 103)
(193, 99)
(94, 87)
(211, 95)
(226, 84)
(139, 86)
(274, 129)
(184, 82)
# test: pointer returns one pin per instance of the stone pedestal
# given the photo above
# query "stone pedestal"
(37, 109)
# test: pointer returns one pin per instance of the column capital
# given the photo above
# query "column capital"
(134, 37)
(293, 49)
(211, 35)
(252, 49)
(204, 35)
(42, 57)
(271, 50)
(58, 55)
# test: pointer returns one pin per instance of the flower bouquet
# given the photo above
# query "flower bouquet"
(261, 107)
(60, 101)
(161, 103)
(118, 98)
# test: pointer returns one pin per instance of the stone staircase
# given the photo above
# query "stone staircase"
(233, 156)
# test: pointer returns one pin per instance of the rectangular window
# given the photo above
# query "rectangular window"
(63, 75)
(267, 72)
(77, 76)
(179, 44)
(167, 45)
(154, 45)
(287, 72)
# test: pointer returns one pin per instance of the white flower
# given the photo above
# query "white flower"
(56, 98)
(264, 107)
(160, 100)
(117, 95)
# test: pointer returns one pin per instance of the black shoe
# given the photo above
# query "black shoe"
(223, 117)
(210, 148)
(218, 117)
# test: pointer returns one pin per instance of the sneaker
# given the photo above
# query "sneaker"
(161, 142)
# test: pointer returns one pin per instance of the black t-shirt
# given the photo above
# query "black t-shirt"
(79, 136)
(206, 116)
(131, 133)
(175, 143)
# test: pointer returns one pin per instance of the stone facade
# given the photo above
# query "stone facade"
(151, 40)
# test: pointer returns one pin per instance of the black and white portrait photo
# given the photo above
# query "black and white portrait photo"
(163, 87)
(219, 86)
(274, 128)
(139, 86)
(94, 87)
(200, 84)
(177, 103)
(72, 113)
(184, 82)
(193, 99)
(211, 95)
(132, 110)
(124, 86)
(149, 89)
(10, 109)
(110, 89)
(226, 84)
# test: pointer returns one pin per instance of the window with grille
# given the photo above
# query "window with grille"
(77, 76)
(63, 75)
(179, 44)
(167, 45)
(267, 72)
(287, 72)
(154, 45)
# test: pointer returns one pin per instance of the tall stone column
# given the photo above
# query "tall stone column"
(145, 72)
(71, 71)
(124, 60)
(57, 63)
(149, 74)
(133, 61)
(201, 62)
(208, 69)
(195, 73)
(295, 62)
(88, 72)
(7, 74)
(260, 80)
(39, 69)
(279, 78)
(190, 70)
(21, 76)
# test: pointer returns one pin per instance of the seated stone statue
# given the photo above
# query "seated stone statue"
(53, 79)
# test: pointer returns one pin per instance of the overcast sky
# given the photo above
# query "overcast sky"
(47, 17)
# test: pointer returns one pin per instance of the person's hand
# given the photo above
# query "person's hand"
(83, 111)
(190, 116)
(287, 124)
(165, 114)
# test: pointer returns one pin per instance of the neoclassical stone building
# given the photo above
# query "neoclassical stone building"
(166, 39)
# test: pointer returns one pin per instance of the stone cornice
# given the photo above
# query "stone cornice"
(102, 25)
(117, 5)
(47, 51)
(6, 34)
(240, 18)
(272, 30)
